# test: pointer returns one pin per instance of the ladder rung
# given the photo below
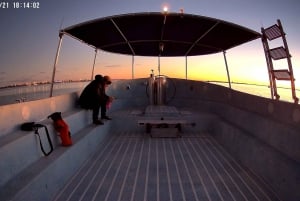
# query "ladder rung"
(278, 53)
(273, 32)
(282, 74)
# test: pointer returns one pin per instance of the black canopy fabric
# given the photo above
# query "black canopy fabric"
(161, 34)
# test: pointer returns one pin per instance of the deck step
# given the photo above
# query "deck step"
(42, 179)
(19, 149)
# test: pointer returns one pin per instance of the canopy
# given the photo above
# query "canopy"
(161, 34)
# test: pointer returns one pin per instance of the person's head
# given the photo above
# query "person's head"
(106, 80)
(98, 78)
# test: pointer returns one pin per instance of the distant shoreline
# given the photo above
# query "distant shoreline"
(37, 90)
(35, 83)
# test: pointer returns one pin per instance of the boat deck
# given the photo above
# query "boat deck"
(130, 165)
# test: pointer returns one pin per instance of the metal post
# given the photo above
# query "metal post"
(132, 68)
(92, 78)
(228, 76)
(158, 65)
(186, 69)
(158, 84)
(161, 49)
(55, 62)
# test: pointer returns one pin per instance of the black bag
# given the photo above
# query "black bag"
(27, 126)
(32, 126)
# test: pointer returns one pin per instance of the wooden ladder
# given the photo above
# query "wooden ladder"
(278, 53)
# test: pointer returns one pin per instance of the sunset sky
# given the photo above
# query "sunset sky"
(29, 39)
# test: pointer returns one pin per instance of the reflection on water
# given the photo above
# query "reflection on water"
(29, 93)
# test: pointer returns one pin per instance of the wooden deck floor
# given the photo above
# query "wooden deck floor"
(132, 166)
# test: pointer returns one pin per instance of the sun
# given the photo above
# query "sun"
(165, 8)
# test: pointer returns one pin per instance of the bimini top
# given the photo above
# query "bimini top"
(161, 34)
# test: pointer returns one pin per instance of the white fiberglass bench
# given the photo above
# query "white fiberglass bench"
(162, 121)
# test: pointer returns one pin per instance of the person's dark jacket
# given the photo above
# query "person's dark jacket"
(91, 95)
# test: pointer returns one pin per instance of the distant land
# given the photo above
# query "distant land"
(34, 83)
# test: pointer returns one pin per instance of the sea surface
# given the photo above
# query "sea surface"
(14, 95)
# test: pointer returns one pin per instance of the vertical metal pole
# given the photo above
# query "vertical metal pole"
(186, 68)
(92, 77)
(228, 76)
(132, 68)
(55, 63)
(159, 65)
(159, 85)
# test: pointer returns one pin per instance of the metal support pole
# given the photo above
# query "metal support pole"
(228, 76)
(92, 78)
(132, 68)
(55, 63)
(158, 85)
(159, 65)
(186, 68)
(161, 49)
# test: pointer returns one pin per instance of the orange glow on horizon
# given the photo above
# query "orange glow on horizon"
(199, 68)
(244, 65)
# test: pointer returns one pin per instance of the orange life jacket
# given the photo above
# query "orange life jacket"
(64, 133)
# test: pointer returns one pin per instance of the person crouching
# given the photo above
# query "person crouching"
(92, 98)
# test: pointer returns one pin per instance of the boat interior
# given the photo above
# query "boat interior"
(202, 142)
(169, 139)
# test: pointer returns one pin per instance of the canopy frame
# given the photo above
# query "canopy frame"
(130, 34)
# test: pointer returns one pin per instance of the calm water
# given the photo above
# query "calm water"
(28, 93)
(264, 91)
